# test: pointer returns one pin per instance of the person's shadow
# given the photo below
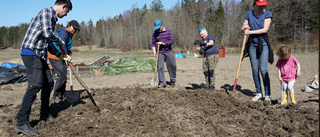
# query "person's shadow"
(226, 87)
(195, 86)
(57, 107)
(229, 88)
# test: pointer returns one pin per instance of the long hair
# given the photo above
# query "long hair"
(284, 52)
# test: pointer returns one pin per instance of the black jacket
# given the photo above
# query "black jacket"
(260, 48)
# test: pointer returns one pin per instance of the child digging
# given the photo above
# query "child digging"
(288, 70)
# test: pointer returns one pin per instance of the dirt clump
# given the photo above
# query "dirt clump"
(137, 111)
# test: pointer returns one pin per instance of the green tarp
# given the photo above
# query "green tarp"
(127, 65)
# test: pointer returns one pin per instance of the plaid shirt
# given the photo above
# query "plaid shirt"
(40, 32)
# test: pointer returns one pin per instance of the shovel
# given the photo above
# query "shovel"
(83, 85)
(154, 81)
(241, 54)
(72, 96)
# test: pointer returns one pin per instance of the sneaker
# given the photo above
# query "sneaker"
(257, 97)
(161, 86)
(268, 98)
(49, 118)
(26, 129)
(175, 83)
(211, 89)
(56, 98)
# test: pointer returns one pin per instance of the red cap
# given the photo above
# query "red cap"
(261, 2)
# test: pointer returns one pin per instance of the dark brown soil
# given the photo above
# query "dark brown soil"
(149, 111)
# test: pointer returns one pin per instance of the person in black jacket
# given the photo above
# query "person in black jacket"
(256, 25)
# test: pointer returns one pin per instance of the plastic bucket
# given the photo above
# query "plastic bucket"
(221, 52)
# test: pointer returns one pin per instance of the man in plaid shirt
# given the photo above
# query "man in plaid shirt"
(34, 49)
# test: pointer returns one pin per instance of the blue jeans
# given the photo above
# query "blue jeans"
(259, 62)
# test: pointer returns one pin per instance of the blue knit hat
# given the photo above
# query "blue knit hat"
(201, 29)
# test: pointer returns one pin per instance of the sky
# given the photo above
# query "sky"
(15, 12)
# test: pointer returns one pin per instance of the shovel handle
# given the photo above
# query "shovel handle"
(157, 58)
(82, 83)
(239, 64)
(241, 54)
(71, 84)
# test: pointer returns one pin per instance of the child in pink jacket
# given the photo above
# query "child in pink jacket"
(288, 71)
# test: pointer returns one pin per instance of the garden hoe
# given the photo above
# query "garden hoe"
(239, 64)
(154, 81)
(83, 85)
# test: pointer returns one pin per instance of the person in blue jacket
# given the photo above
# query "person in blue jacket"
(59, 54)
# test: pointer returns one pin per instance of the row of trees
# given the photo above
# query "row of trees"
(291, 20)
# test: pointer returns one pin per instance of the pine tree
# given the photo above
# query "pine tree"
(156, 5)
(219, 19)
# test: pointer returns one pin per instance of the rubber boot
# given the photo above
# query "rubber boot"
(284, 102)
(293, 100)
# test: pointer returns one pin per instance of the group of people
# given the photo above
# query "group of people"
(40, 39)
(163, 39)
(258, 48)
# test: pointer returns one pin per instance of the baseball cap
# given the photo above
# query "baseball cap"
(261, 2)
(74, 24)
(157, 24)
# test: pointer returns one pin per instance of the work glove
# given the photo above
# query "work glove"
(68, 58)
(202, 44)
(60, 42)
(201, 51)
(61, 57)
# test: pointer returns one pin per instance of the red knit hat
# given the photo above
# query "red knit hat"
(261, 2)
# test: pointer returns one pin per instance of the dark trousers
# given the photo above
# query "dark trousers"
(60, 68)
(170, 60)
(38, 78)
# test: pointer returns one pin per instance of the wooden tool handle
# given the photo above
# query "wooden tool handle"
(239, 64)
(82, 83)
(241, 54)
(157, 58)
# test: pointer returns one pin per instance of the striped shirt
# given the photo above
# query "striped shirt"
(166, 36)
(40, 32)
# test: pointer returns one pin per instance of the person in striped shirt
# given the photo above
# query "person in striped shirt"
(164, 38)
(34, 49)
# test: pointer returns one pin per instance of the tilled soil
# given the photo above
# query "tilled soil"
(174, 111)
